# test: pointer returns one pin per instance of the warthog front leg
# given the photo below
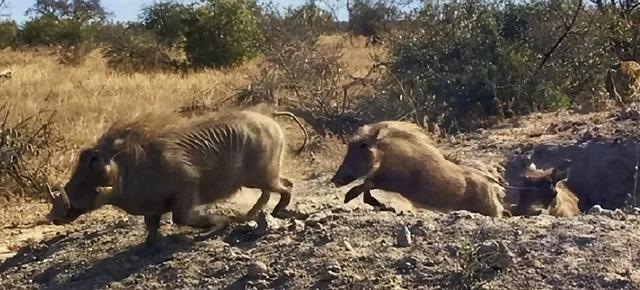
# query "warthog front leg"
(365, 190)
(370, 200)
(358, 190)
(152, 223)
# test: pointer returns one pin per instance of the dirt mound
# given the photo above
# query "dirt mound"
(342, 248)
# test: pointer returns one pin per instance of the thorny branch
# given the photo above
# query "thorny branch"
(25, 149)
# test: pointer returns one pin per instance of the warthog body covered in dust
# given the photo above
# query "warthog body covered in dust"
(399, 157)
(150, 172)
(548, 189)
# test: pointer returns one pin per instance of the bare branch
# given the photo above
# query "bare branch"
(560, 39)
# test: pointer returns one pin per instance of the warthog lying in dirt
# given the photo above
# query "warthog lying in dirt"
(399, 157)
(548, 189)
(149, 171)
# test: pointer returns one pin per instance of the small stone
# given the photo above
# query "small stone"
(334, 266)
(325, 234)
(462, 214)
(619, 214)
(247, 227)
(333, 270)
(256, 270)
(495, 254)
(343, 208)
(403, 236)
(407, 264)
(347, 246)
(296, 225)
(317, 218)
(595, 210)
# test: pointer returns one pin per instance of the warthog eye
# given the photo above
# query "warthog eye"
(93, 160)
(363, 145)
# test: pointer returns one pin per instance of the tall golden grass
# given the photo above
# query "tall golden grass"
(89, 97)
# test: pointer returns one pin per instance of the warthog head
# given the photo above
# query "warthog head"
(79, 194)
(361, 157)
(541, 185)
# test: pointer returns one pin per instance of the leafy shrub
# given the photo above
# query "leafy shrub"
(222, 33)
(307, 21)
(70, 26)
(480, 59)
(369, 18)
(166, 21)
(8, 33)
(310, 82)
(42, 31)
(134, 49)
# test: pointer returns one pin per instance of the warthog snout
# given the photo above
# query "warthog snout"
(342, 177)
(61, 210)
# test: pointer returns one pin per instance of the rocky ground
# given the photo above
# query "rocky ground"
(349, 246)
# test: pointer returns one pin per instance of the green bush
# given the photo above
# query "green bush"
(134, 49)
(8, 33)
(222, 33)
(307, 21)
(368, 18)
(166, 21)
(42, 31)
(473, 60)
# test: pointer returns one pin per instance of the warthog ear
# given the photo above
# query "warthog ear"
(561, 171)
(382, 132)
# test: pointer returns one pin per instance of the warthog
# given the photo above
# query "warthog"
(149, 172)
(399, 157)
(548, 189)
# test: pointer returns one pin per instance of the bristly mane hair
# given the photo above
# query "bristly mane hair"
(145, 126)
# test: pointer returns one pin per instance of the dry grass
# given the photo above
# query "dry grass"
(88, 98)
(356, 57)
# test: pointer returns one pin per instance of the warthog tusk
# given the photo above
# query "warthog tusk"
(65, 198)
(105, 190)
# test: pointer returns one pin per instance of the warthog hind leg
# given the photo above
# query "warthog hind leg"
(283, 187)
(262, 201)
(183, 214)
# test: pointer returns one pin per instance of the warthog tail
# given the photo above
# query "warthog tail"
(304, 131)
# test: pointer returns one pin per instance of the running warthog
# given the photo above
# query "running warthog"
(151, 171)
(399, 157)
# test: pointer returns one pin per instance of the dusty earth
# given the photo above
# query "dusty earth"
(349, 246)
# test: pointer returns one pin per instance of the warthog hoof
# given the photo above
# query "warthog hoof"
(286, 214)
